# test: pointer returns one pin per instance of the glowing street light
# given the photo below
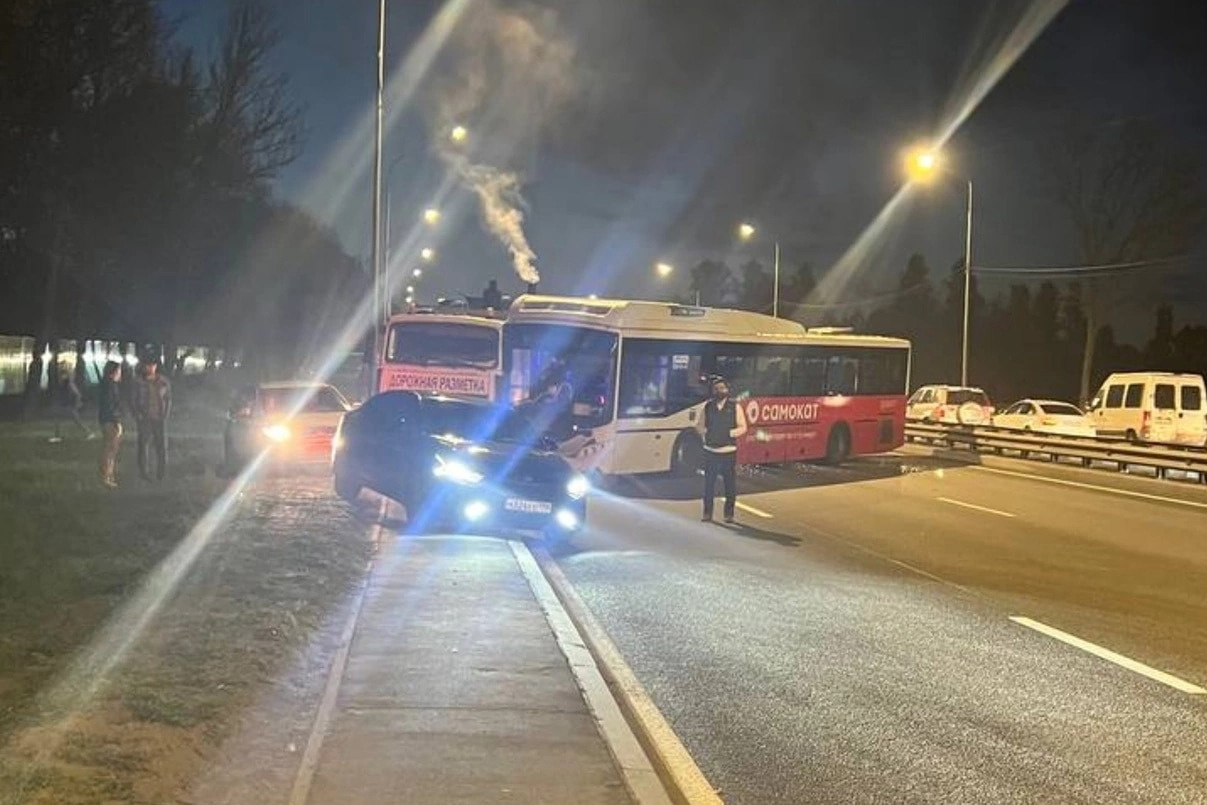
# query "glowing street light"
(428, 254)
(417, 273)
(922, 165)
(431, 216)
(664, 270)
(746, 231)
(458, 134)
(410, 290)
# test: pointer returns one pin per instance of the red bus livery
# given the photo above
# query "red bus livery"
(633, 378)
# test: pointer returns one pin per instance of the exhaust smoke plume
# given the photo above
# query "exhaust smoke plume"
(507, 70)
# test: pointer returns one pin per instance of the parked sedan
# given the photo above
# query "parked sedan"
(457, 463)
(292, 421)
(1046, 416)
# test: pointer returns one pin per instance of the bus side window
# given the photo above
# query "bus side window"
(1114, 396)
(808, 377)
(737, 366)
(840, 375)
(771, 379)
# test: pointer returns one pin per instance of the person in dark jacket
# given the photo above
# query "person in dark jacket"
(109, 414)
(152, 404)
(722, 425)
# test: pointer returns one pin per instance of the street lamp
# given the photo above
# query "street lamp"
(428, 254)
(458, 134)
(431, 216)
(417, 273)
(922, 165)
(746, 232)
(664, 269)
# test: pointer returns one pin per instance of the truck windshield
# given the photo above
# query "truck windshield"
(443, 344)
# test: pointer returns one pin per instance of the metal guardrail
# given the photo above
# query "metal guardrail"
(1088, 451)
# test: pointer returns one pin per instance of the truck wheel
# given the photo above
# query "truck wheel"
(838, 446)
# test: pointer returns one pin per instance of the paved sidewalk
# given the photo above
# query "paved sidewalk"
(455, 691)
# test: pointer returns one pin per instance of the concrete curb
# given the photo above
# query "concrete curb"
(680, 777)
(640, 777)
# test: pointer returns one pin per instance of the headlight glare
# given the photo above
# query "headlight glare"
(276, 433)
(578, 486)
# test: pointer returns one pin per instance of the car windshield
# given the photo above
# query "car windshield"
(1061, 409)
(444, 344)
(324, 400)
(961, 396)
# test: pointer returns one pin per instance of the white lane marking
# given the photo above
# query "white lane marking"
(1110, 656)
(985, 509)
(655, 733)
(757, 512)
(635, 765)
(1097, 488)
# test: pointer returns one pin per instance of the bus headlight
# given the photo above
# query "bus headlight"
(578, 486)
(456, 471)
(276, 433)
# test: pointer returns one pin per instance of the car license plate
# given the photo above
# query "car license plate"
(527, 506)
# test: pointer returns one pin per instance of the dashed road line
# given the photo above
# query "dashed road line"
(975, 507)
(1111, 656)
(1096, 487)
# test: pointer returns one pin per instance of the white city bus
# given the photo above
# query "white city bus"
(633, 380)
(448, 353)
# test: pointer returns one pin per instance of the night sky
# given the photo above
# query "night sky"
(685, 116)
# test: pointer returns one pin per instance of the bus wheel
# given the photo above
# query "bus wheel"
(838, 446)
(687, 456)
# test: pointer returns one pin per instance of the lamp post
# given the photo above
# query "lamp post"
(380, 304)
(747, 232)
(923, 165)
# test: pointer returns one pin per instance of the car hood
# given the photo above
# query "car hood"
(509, 462)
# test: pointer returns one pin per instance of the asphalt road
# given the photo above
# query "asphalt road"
(853, 641)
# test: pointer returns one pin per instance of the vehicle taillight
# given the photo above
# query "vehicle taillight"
(941, 411)
(1146, 423)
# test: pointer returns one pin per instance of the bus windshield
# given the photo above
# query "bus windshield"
(571, 370)
(443, 344)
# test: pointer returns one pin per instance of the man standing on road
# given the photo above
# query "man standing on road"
(152, 404)
(109, 415)
(723, 424)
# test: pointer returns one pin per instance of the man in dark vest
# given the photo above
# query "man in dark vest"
(723, 424)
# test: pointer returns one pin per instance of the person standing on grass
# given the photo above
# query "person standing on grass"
(723, 424)
(69, 404)
(109, 414)
(152, 404)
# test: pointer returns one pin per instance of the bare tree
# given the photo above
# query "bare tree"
(252, 128)
(1130, 198)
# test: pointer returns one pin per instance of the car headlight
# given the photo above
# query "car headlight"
(276, 433)
(578, 486)
(456, 471)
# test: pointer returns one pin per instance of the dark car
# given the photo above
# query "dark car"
(290, 421)
(457, 463)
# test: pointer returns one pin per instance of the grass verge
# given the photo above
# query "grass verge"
(71, 552)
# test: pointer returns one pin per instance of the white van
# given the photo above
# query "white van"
(1160, 407)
